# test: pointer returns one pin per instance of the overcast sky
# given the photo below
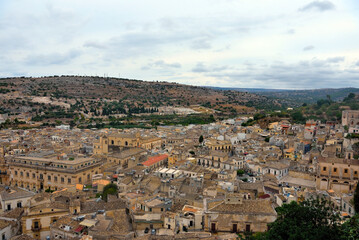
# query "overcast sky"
(225, 43)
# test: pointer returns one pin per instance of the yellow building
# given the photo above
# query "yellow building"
(123, 140)
(289, 153)
(340, 175)
(47, 173)
(219, 145)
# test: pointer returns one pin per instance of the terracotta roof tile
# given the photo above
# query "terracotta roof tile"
(152, 160)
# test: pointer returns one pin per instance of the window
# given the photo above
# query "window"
(62, 180)
(355, 172)
(27, 175)
(335, 170)
(19, 204)
(69, 180)
(345, 170)
(248, 227)
(49, 178)
(36, 225)
(33, 175)
(324, 168)
(213, 227)
(55, 178)
(41, 176)
(80, 180)
(15, 173)
(234, 227)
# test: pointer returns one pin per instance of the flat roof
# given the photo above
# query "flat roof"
(55, 160)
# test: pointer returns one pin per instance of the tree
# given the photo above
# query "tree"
(356, 199)
(200, 139)
(350, 229)
(298, 117)
(311, 219)
(110, 188)
(240, 172)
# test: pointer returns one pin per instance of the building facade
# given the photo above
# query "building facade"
(42, 173)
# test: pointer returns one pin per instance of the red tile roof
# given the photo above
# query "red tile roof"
(152, 160)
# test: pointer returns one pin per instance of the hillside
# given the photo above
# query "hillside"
(70, 97)
(295, 98)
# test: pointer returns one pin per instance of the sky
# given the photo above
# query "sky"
(296, 44)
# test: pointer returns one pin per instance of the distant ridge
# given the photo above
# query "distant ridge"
(293, 96)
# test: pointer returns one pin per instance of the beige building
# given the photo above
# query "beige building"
(338, 174)
(48, 173)
(45, 209)
(12, 198)
(350, 118)
(122, 158)
(235, 214)
(219, 145)
(122, 140)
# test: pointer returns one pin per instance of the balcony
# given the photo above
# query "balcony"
(35, 229)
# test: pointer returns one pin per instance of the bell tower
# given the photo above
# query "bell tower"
(4, 168)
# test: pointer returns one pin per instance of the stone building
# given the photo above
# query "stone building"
(236, 214)
(49, 173)
(338, 174)
(120, 141)
(350, 118)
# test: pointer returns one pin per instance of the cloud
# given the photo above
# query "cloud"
(335, 59)
(202, 68)
(316, 73)
(161, 65)
(193, 41)
(202, 43)
(308, 48)
(52, 58)
(94, 44)
(318, 5)
(291, 31)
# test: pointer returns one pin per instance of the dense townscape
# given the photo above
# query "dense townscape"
(179, 120)
(222, 180)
